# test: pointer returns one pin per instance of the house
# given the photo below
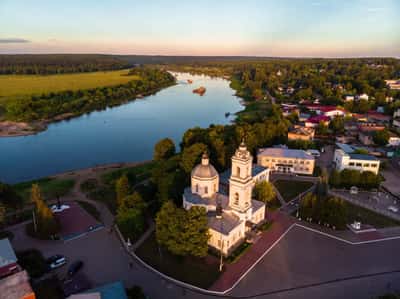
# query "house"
(16, 286)
(314, 121)
(362, 96)
(349, 98)
(375, 116)
(286, 160)
(366, 137)
(230, 215)
(329, 111)
(394, 140)
(8, 259)
(115, 290)
(396, 119)
(355, 161)
(301, 133)
(393, 84)
(304, 116)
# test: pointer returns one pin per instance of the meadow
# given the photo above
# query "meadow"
(20, 86)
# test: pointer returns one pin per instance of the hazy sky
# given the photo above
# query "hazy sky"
(202, 27)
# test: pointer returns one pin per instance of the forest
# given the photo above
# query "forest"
(46, 64)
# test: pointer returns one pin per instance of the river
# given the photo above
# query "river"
(126, 133)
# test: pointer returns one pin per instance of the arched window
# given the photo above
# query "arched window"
(236, 198)
(197, 188)
(238, 171)
(205, 189)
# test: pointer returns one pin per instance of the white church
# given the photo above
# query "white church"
(228, 199)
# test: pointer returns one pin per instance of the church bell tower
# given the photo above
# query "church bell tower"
(241, 180)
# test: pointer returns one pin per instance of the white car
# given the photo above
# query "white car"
(57, 208)
(56, 261)
(393, 209)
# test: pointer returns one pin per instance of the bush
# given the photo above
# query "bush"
(238, 252)
(89, 185)
(33, 262)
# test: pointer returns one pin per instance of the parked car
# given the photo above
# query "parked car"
(74, 268)
(393, 209)
(56, 261)
(59, 208)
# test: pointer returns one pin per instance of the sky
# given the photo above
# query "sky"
(291, 28)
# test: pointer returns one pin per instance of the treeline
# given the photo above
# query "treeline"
(48, 106)
(46, 64)
(331, 211)
(348, 178)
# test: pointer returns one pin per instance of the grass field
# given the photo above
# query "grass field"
(196, 271)
(50, 188)
(16, 86)
(290, 189)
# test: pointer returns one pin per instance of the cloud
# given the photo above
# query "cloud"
(13, 40)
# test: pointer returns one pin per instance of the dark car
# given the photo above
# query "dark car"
(56, 261)
(74, 268)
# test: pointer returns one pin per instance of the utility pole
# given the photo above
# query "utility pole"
(34, 220)
(221, 263)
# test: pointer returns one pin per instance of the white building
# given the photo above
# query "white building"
(286, 160)
(393, 84)
(354, 161)
(230, 214)
(363, 96)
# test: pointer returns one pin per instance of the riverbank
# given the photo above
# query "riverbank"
(43, 101)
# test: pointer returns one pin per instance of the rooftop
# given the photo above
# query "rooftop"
(347, 148)
(362, 157)
(7, 255)
(198, 200)
(113, 290)
(287, 153)
(255, 170)
(223, 225)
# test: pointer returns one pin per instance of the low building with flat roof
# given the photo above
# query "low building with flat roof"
(286, 160)
(8, 259)
(301, 133)
(354, 161)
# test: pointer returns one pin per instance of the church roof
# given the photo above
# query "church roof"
(255, 170)
(198, 200)
(225, 224)
(204, 171)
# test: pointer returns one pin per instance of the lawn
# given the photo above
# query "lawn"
(366, 216)
(20, 86)
(135, 174)
(290, 189)
(91, 209)
(199, 272)
(50, 188)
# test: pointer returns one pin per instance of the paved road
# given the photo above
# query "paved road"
(302, 257)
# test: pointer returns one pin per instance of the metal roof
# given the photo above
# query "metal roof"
(7, 255)
(285, 153)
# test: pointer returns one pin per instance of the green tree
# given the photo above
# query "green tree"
(130, 221)
(381, 137)
(191, 156)
(337, 124)
(322, 129)
(45, 224)
(264, 192)
(334, 179)
(8, 196)
(2, 214)
(195, 232)
(122, 188)
(164, 149)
